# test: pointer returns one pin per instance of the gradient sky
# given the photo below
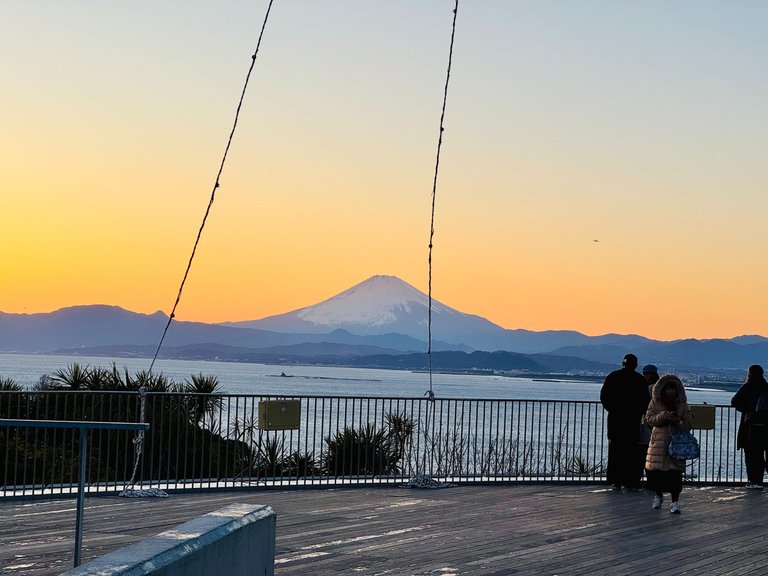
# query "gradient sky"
(643, 125)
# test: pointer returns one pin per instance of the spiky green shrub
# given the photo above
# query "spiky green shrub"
(361, 451)
(183, 442)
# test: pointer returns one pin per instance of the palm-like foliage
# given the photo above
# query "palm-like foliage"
(74, 377)
(300, 465)
(11, 405)
(361, 451)
(152, 382)
(271, 456)
(204, 400)
(9, 385)
(400, 431)
(80, 392)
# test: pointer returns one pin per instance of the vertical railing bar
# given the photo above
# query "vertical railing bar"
(472, 468)
(413, 445)
(220, 478)
(112, 438)
(527, 432)
(461, 440)
(147, 460)
(235, 459)
(549, 452)
(560, 447)
(441, 442)
(207, 423)
(223, 478)
(384, 466)
(181, 463)
(505, 449)
(155, 434)
(57, 399)
(435, 435)
(578, 432)
(286, 473)
(7, 435)
(485, 449)
(83, 445)
(498, 442)
(314, 435)
(191, 475)
(361, 430)
(335, 459)
(396, 451)
(34, 444)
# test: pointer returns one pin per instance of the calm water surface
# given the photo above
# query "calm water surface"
(264, 379)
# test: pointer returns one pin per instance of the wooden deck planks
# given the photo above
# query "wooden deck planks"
(472, 530)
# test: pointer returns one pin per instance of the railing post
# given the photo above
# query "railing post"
(81, 495)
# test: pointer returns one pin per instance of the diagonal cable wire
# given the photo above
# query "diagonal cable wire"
(430, 393)
(215, 187)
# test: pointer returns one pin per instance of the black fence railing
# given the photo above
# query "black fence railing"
(82, 429)
(204, 441)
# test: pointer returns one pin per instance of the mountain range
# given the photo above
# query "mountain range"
(381, 321)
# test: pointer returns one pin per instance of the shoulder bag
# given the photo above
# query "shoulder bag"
(684, 446)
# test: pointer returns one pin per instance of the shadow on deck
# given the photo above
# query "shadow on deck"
(491, 530)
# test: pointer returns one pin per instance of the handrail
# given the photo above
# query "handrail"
(218, 441)
(73, 424)
(82, 427)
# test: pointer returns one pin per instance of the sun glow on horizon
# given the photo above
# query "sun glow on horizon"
(639, 126)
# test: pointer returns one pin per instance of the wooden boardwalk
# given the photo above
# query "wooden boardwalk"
(491, 530)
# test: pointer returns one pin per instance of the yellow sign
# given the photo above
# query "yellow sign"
(703, 416)
(279, 414)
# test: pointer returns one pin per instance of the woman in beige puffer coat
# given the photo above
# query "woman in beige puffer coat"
(668, 414)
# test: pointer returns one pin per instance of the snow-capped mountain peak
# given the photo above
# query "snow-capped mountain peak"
(377, 301)
(383, 305)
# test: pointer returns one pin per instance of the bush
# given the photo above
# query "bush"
(361, 451)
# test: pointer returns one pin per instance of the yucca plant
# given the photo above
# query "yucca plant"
(74, 377)
(400, 429)
(9, 385)
(205, 400)
(579, 466)
(360, 451)
(271, 456)
(300, 465)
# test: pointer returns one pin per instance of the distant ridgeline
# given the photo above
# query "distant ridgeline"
(377, 323)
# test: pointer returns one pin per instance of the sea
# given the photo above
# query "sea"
(272, 380)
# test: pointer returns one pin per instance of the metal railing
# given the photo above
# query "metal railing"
(202, 441)
(83, 428)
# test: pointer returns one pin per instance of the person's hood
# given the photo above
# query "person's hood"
(667, 378)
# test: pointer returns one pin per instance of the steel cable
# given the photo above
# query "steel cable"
(430, 393)
(215, 187)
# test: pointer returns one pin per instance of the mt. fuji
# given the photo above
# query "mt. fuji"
(383, 305)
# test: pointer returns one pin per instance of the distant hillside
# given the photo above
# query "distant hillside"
(379, 319)
(494, 361)
(221, 352)
(691, 354)
(386, 304)
(91, 326)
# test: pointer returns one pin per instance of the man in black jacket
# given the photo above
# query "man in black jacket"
(625, 397)
(752, 436)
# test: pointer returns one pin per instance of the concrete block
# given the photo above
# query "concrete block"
(237, 540)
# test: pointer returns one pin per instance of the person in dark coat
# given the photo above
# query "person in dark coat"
(625, 397)
(752, 437)
(651, 375)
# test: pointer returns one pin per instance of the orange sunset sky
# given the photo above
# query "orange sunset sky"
(642, 125)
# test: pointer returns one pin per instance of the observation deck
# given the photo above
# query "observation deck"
(523, 529)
